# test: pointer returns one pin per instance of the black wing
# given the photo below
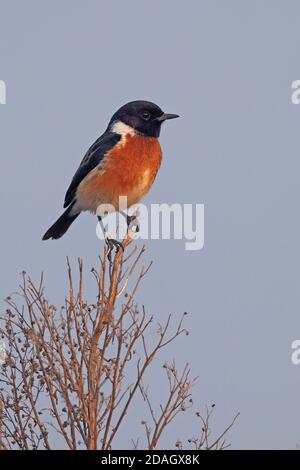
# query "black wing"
(91, 159)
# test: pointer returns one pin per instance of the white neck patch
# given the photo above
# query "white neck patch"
(123, 129)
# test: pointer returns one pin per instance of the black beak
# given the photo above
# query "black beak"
(166, 116)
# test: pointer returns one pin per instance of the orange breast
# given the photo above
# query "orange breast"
(128, 170)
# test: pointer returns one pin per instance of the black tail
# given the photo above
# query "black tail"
(62, 224)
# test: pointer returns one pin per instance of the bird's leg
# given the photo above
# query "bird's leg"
(111, 243)
(132, 221)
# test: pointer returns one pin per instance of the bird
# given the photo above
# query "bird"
(123, 161)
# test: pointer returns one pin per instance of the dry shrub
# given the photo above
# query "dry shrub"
(72, 374)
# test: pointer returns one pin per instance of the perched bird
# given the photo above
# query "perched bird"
(124, 161)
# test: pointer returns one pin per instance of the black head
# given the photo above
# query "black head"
(143, 116)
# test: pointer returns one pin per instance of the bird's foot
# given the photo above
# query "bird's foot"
(111, 244)
(132, 222)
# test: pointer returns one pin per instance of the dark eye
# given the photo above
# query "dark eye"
(146, 115)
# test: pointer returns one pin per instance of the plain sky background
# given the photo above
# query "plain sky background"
(227, 69)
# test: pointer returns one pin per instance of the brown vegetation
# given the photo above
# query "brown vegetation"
(72, 374)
